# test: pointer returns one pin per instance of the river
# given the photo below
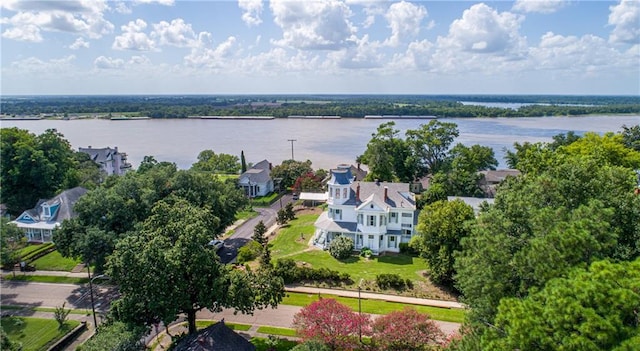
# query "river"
(326, 142)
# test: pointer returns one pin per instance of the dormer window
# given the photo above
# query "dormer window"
(46, 211)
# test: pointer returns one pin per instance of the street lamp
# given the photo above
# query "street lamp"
(93, 308)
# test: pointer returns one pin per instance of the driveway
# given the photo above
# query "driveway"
(244, 231)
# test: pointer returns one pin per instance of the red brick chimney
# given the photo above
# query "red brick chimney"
(358, 192)
(386, 191)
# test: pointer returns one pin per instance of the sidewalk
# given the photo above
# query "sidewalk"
(376, 296)
(308, 290)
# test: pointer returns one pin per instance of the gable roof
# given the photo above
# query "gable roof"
(61, 208)
(259, 173)
(216, 337)
(498, 175)
(398, 195)
(101, 155)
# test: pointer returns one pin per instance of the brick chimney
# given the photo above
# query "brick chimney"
(358, 192)
(386, 192)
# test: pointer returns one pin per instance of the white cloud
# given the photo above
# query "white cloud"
(417, 57)
(78, 17)
(35, 65)
(363, 55)
(79, 44)
(404, 20)
(313, 25)
(483, 30)
(252, 9)
(23, 33)
(539, 6)
(577, 54)
(103, 62)
(140, 60)
(177, 33)
(202, 56)
(121, 7)
(625, 17)
(132, 37)
(159, 2)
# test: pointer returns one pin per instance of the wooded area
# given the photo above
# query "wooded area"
(348, 106)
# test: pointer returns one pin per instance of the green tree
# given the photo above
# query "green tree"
(209, 161)
(472, 159)
(289, 170)
(631, 136)
(243, 163)
(441, 227)
(12, 239)
(594, 309)
(430, 145)
(115, 336)
(60, 314)
(85, 243)
(387, 155)
(259, 232)
(34, 167)
(168, 269)
(289, 211)
(541, 226)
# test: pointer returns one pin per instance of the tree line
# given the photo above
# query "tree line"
(354, 106)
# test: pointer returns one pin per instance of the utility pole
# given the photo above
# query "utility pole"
(291, 140)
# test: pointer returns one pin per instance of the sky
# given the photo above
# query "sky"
(83, 47)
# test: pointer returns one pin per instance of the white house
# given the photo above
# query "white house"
(376, 215)
(110, 160)
(256, 181)
(39, 222)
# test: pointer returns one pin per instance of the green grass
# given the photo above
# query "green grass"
(378, 306)
(246, 214)
(55, 262)
(264, 201)
(31, 248)
(46, 279)
(201, 324)
(35, 333)
(39, 309)
(263, 344)
(277, 331)
(288, 241)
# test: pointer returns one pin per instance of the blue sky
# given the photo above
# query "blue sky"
(332, 47)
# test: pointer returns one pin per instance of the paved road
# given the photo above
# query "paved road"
(243, 233)
(52, 295)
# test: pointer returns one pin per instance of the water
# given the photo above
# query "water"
(326, 142)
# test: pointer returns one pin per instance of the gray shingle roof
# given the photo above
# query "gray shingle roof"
(216, 337)
(65, 201)
(398, 194)
(259, 173)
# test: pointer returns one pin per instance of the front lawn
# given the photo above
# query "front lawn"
(55, 262)
(35, 333)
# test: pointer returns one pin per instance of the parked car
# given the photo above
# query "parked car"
(216, 244)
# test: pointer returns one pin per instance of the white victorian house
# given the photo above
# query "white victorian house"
(111, 161)
(39, 222)
(376, 215)
(257, 181)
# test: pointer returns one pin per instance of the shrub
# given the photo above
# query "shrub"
(366, 252)
(341, 247)
(249, 252)
(289, 271)
(394, 281)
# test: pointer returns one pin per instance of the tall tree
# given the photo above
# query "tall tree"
(34, 167)
(594, 309)
(332, 323)
(243, 162)
(258, 233)
(168, 269)
(430, 145)
(289, 170)
(209, 161)
(631, 136)
(387, 155)
(441, 227)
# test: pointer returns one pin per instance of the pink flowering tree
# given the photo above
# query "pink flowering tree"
(406, 330)
(331, 323)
